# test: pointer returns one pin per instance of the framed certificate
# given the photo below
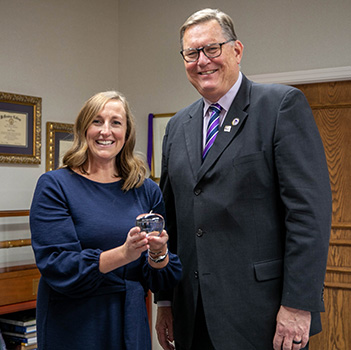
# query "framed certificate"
(59, 139)
(20, 128)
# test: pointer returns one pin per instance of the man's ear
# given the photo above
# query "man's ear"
(239, 50)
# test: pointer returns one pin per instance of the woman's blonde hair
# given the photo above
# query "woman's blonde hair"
(130, 167)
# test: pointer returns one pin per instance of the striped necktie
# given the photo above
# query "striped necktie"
(212, 128)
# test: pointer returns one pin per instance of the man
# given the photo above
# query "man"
(249, 213)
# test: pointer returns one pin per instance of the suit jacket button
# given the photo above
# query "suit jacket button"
(199, 232)
(197, 191)
(196, 274)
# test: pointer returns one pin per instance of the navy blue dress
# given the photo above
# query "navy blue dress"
(74, 219)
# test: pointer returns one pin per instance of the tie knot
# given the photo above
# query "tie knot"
(216, 107)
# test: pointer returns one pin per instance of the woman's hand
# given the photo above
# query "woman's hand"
(158, 242)
(158, 249)
(135, 244)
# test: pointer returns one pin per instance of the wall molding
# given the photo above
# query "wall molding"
(305, 76)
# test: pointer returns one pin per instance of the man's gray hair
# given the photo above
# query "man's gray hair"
(206, 15)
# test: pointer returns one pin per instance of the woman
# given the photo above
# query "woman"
(95, 265)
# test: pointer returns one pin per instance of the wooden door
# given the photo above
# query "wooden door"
(331, 106)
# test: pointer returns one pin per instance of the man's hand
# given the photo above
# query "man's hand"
(164, 327)
(293, 326)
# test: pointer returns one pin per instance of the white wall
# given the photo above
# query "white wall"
(62, 51)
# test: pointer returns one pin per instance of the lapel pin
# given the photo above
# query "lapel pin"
(227, 128)
(235, 121)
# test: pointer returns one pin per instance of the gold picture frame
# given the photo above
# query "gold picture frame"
(59, 138)
(20, 128)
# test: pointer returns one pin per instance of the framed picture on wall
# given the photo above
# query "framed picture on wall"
(157, 127)
(20, 128)
(59, 138)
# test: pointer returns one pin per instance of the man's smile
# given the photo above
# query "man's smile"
(208, 72)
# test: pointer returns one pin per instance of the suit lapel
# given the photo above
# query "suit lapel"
(232, 123)
(192, 127)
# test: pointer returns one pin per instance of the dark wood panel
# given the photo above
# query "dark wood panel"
(18, 286)
(327, 94)
(7, 213)
(331, 107)
(336, 328)
(26, 305)
(19, 283)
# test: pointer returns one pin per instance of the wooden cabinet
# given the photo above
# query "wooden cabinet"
(18, 284)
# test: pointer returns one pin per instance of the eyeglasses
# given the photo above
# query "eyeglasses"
(210, 51)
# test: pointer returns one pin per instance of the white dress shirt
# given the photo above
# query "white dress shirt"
(225, 102)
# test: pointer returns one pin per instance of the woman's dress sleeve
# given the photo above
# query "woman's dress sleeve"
(64, 265)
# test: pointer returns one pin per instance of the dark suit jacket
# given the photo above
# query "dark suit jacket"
(251, 224)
